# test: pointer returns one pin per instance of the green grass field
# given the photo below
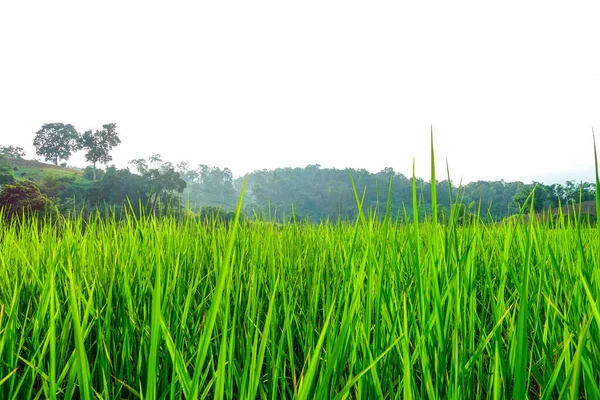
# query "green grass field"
(37, 171)
(159, 308)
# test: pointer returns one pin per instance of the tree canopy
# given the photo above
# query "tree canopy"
(99, 144)
(312, 193)
(56, 141)
(12, 151)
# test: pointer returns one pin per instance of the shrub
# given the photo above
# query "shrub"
(24, 199)
(6, 175)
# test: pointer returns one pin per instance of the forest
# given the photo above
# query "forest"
(312, 193)
(330, 284)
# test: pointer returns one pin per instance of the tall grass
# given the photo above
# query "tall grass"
(160, 308)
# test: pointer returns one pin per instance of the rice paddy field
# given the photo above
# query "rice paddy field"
(371, 309)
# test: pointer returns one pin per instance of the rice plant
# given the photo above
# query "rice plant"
(376, 308)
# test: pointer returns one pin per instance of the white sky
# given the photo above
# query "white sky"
(511, 88)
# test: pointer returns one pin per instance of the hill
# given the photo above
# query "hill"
(35, 170)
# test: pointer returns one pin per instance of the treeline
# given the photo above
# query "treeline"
(319, 193)
(154, 190)
(311, 193)
(148, 185)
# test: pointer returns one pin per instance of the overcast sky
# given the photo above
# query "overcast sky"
(511, 88)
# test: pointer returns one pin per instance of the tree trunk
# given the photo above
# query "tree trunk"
(94, 176)
(56, 161)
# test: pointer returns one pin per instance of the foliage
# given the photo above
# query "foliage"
(6, 174)
(311, 193)
(92, 174)
(163, 182)
(209, 186)
(99, 144)
(371, 309)
(23, 199)
(12, 151)
(55, 186)
(375, 308)
(155, 190)
(56, 141)
(578, 192)
(36, 171)
(164, 185)
(119, 187)
(319, 194)
(216, 215)
(551, 196)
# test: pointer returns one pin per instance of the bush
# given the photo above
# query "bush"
(211, 214)
(6, 175)
(88, 173)
(24, 199)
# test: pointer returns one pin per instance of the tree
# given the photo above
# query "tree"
(99, 144)
(118, 187)
(582, 191)
(56, 141)
(208, 185)
(140, 164)
(155, 187)
(162, 185)
(545, 197)
(12, 151)
(88, 173)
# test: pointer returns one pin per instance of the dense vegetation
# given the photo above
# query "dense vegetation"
(167, 308)
(312, 193)
(318, 194)
(431, 305)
